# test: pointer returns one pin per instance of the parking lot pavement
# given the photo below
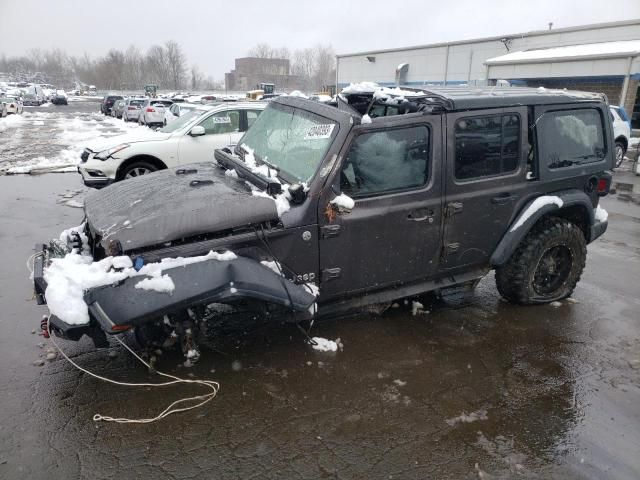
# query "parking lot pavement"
(480, 388)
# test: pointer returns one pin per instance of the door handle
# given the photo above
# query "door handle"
(421, 215)
(503, 198)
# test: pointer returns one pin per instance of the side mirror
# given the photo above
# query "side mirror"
(197, 131)
(297, 193)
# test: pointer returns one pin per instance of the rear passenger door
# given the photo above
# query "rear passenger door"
(485, 178)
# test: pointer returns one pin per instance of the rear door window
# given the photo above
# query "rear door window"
(486, 146)
(252, 115)
(222, 122)
(571, 137)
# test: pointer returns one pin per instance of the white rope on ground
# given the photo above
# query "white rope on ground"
(201, 399)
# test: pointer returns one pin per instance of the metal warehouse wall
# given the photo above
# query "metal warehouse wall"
(463, 62)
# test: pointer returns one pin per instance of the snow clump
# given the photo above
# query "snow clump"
(69, 277)
(324, 345)
(344, 201)
(601, 214)
(537, 204)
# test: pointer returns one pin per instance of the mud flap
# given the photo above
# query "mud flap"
(207, 282)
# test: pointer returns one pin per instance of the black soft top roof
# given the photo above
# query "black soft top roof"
(462, 98)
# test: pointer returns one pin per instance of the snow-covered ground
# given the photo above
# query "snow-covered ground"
(52, 139)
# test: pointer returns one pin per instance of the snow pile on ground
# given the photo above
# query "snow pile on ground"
(324, 345)
(417, 308)
(601, 214)
(72, 135)
(11, 121)
(472, 417)
(537, 204)
(69, 277)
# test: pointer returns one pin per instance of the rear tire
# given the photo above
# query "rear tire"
(547, 264)
(620, 151)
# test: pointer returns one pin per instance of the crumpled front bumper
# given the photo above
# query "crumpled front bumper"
(116, 308)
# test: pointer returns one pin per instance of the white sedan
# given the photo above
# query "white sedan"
(14, 104)
(177, 110)
(190, 138)
(152, 111)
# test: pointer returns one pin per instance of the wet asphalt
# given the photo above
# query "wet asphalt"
(473, 389)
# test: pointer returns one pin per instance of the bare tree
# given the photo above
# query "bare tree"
(262, 50)
(176, 64)
(196, 77)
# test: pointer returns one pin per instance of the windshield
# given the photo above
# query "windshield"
(182, 120)
(295, 141)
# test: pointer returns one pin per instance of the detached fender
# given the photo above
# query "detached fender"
(212, 281)
(572, 200)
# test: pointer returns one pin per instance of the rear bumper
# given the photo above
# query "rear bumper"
(598, 228)
(154, 118)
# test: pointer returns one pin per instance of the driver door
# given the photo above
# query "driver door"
(219, 128)
(392, 171)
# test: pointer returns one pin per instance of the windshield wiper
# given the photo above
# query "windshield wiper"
(227, 161)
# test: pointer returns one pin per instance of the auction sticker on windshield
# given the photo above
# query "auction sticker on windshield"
(319, 131)
(221, 119)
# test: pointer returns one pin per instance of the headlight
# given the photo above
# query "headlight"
(103, 155)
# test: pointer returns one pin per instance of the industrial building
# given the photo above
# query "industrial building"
(249, 71)
(601, 57)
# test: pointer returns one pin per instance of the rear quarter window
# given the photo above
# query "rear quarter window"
(571, 137)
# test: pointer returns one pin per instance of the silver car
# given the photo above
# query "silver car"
(131, 109)
(118, 108)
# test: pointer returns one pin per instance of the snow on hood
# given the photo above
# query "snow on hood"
(140, 135)
(164, 206)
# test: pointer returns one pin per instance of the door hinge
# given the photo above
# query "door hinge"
(329, 231)
(331, 273)
(453, 208)
(451, 248)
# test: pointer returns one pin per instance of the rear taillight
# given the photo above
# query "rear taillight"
(603, 185)
(149, 109)
(131, 108)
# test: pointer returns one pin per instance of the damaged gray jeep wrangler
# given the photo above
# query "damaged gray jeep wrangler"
(383, 195)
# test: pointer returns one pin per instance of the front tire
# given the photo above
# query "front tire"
(547, 264)
(620, 151)
(137, 169)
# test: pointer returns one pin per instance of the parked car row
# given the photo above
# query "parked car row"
(29, 94)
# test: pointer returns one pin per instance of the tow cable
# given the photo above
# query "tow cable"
(174, 407)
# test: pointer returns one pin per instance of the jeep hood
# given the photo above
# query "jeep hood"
(173, 204)
(140, 135)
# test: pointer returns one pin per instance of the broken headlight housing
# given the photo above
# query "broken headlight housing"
(104, 154)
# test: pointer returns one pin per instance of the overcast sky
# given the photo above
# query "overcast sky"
(213, 33)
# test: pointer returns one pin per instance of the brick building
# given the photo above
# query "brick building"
(249, 71)
(599, 58)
